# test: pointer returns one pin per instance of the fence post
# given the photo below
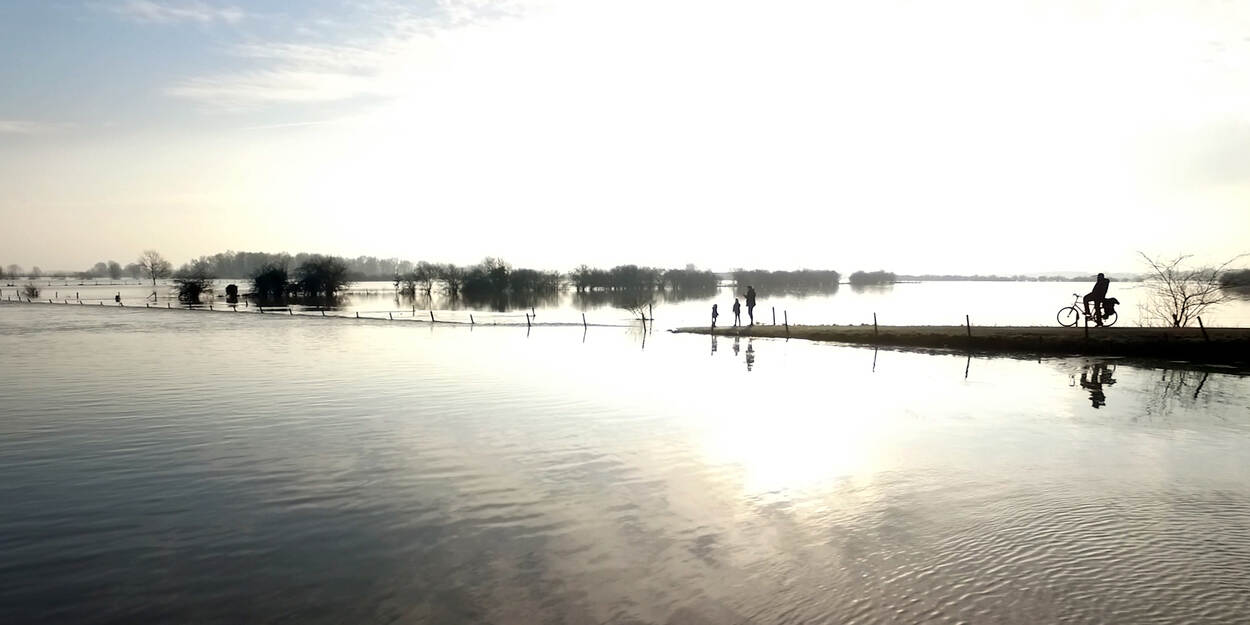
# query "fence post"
(431, 316)
(874, 325)
(583, 321)
(392, 317)
(527, 320)
(289, 311)
(168, 305)
(357, 314)
(774, 315)
(968, 321)
(651, 311)
(786, 316)
(323, 312)
(1204, 330)
(471, 321)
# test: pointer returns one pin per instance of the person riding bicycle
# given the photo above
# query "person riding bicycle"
(1098, 296)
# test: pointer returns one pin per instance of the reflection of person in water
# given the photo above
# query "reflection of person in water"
(1093, 377)
(713, 343)
(735, 346)
(750, 355)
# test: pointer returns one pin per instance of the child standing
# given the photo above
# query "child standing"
(737, 312)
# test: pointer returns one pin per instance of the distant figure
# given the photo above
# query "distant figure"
(714, 316)
(118, 298)
(1098, 295)
(751, 303)
(737, 313)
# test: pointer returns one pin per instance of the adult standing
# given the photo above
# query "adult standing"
(751, 303)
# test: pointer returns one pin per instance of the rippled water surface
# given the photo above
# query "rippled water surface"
(173, 466)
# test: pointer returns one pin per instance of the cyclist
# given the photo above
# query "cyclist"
(1098, 295)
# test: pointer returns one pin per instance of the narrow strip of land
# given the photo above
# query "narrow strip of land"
(1214, 345)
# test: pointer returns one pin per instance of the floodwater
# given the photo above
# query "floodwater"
(912, 303)
(176, 466)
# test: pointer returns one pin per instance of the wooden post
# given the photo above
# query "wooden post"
(357, 314)
(260, 309)
(431, 316)
(583, 321)
(210, 305)
(1087, 328)
(323, 312)
(392, 317)
(651, 311)
(532, 312)
(786, 317)
(168, 306)
(1204, 331)
(774, 315)
(874, 325)
(471, 321)
(289, 311)
(527, 320)
(968, 322)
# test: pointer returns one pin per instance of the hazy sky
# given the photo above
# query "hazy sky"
(952, 136)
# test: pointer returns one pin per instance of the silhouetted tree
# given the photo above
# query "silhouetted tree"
(115, 270)
(134, 270)
(1234, 279)
(321, 276)
(863, 278)
(14, 270)
(194, 279)
(452, 277)
(271, 282)
(30, 290)
(154, 265)
(1177, 295)
(36, 272)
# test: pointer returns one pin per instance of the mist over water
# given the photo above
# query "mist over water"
(223, 468)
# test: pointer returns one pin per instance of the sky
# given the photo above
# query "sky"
(919, 137)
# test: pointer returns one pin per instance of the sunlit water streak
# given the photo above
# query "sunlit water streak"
(224, 469)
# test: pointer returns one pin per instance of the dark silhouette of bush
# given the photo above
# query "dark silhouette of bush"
(865, 278)
(321, 277)
(271, 282)
(1238, 278)
(30, 290)
(193, 280)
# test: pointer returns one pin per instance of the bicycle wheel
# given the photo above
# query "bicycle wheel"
(1068, 316)
(1109, 320)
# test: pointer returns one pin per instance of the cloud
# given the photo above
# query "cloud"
(151, 11)
(341, 69)
(24, 127)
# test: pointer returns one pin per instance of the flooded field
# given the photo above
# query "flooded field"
(912, 303)
(228, 468)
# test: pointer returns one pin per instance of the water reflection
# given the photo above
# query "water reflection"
(750, 355)
(1093, 378)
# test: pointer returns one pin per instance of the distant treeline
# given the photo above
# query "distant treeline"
(635, 278)
(800, 280)
(866, 278)
(1238, 278)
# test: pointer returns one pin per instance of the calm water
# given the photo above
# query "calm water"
(164, 466)
(919, 303)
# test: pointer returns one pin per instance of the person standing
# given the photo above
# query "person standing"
(737, 313)
(714, 316)
(1097, 295)
(751, 303)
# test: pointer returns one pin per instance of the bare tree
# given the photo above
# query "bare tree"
(154, 265)
(1176, 295)
(14, 270)
(115, 270)
(36, 272)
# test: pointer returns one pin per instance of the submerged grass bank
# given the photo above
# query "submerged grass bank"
(1216, 345)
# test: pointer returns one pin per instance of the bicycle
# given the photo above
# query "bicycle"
(1069, 316)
